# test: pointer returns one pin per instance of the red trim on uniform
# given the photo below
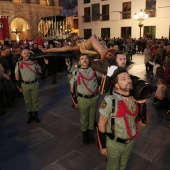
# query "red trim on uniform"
(122, 111)
(81, 76)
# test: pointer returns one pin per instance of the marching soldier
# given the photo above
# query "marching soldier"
(87, 100)
(26, 74)
(118, 124)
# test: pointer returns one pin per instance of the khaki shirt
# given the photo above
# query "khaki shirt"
(92, 85)
(26, 73)
(120, 127)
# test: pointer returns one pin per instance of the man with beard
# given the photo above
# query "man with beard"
(142, 90)
(117, 127)
(26, 75)
(85, 80)
(120, 61)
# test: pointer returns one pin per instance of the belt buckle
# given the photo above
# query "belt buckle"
(30, 82)
(127, 141)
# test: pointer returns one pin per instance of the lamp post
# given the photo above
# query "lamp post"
(140, 16)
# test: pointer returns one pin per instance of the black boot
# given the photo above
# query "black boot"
(85, 138)
(36, 117)
(91, 136)
(31, 118)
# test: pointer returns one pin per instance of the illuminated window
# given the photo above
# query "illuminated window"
(20, 1)
(43, 2)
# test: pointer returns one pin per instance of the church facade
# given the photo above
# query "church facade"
(30, 18)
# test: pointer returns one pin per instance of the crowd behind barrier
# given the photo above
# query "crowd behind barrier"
(156, 59)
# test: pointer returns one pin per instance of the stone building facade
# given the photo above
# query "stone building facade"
(24, 16)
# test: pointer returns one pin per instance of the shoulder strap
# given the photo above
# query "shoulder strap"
(19, 70)
(113, 115)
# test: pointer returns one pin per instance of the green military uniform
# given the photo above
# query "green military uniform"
(121, 129)
(87, 96)
(27, 70)
(87, 91)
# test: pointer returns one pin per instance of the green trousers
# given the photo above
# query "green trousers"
(31, 93)
(87, 109)
(118, 154)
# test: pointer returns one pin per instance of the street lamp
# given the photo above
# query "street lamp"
(140, 16)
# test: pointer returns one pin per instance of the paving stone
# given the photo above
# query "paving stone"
(35, 137)
(72, 161)
(52, 150)
(163, 158)
(148, 149)
(155, 134)
(10, 147)
(24, 161)
(60, 127)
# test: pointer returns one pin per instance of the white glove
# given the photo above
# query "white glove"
(110, 70)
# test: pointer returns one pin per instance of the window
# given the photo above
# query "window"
(17, 1)
(87, 16)
(125, 32)
(75, 23)
(151, 8)
(105, 32)
(150, 30)
(87, 33)
(43, 2)
(126, 12)
(86, 1)
(95, 12)
(105, 12)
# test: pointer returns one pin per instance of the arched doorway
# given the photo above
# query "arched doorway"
(20, 30)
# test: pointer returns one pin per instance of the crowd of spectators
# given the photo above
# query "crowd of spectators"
(156, 58)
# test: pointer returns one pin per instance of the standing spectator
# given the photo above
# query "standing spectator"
(11, 61)
(159, 51)
(72, 66)
(4, 61)
(2, 101)
(167, 69)
(35, 49)
(155, 64)
(53, 65)
(26, 74)
(87, 91)
(147, 53)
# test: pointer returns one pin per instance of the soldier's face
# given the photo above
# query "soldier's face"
(26, 54)
(124, 82)
(84, 61)
(121, 60)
